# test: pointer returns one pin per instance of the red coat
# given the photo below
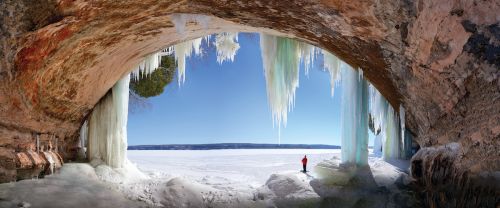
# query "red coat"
(304, 161)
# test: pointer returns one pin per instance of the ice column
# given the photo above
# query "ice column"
(354, 117)
(391, 135)
(107, 136)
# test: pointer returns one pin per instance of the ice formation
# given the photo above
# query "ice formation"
(281, 60)
(180, 21)
(84, 132)
(308, 54)
(391, 138)
(150, 63)
(332, 64)
(107, 139)
(227, 45)
(391, 132)
(354, 115)
(406, 142)
(182, 51)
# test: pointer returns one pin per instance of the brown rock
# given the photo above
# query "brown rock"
(23, 161)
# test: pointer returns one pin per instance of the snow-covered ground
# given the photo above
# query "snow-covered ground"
(231, 168)
(194, 178)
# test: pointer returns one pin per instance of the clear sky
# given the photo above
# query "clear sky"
(228, 104)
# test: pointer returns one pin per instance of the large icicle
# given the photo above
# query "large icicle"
(406, 142)
(332, 64)
(107, 139)
(280, 57)
(227, 45)
(354, 117)
(182, 51)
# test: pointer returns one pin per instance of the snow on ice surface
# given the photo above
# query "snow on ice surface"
(236, 168)
(188, 178)
(75, 186)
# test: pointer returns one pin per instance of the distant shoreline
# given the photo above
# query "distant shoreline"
(218, 146)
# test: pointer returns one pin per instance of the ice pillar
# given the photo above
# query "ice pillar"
(354, 117)
(107, 133)
(391, 138)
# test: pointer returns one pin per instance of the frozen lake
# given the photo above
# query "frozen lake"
(229, 168)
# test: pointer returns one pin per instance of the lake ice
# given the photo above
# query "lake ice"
(191, 178)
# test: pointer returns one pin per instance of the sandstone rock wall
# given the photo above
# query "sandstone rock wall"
(444, 181)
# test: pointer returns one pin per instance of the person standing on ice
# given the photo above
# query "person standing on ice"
(304, 163)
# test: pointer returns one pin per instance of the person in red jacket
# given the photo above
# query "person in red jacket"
(304, 163)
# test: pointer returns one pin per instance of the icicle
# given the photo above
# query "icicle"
(307, 55)
(332, 64)
(227, 45)
(181, 52)
(107, 138)
(280, 57)
(406, 140)
(354, 117)
(360, 71)
(402, 129)
(180, 21)
(147, 66)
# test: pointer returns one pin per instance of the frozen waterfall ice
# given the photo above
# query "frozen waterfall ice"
(391, 139)
(227, 45)
(354, 115)
(332, 64)
(280, 59)
(107, 130)
(182, 51)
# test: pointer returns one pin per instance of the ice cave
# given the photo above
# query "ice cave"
(419, 101)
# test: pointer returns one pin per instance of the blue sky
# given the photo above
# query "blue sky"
(228, 103)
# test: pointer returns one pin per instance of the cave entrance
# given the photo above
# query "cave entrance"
(282, 59)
